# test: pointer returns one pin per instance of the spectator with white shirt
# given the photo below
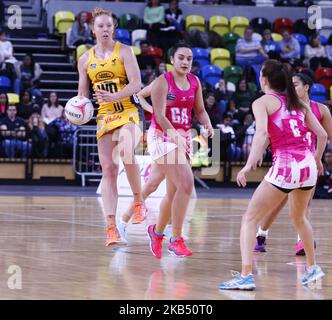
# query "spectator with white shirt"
(249, 51)
(52, 109)
(315, 54)
(290, 50)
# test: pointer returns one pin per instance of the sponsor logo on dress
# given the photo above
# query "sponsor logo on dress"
(104, 75)
(93, 66)
(112, 118)
(171, 96)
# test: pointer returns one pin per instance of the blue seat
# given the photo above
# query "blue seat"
(323, 40)
(318, 92)
(5, 84)
(123, 36)
(211, 74)
(202, 56)
(302, 39)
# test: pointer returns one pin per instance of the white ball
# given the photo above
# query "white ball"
(79, 110)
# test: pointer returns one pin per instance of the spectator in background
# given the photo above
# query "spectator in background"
(66, 132)
(52, 109)
(80, 31)
(228, 139)
(13, 131)
(196, 69)
(154, 20)
(29, 73)
(290, 50)
(325, 181)
(38, 136)
(174, 17)
(144, 60)
(248, 129)
(328, 49)
(222, 94)
(315, 54)
(3, 104)
(212, 109)
(243, 98)
(26, 108)
(271, 48)
(161, 69)
(249, 51)
(8, 64)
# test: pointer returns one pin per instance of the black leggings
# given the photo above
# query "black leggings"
(290, 190)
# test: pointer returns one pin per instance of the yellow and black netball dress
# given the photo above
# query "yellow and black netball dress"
(110, 75)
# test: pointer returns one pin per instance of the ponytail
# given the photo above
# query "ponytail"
(279, 77)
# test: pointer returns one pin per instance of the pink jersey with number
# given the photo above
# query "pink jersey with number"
(310, 136)
(179, 103)
(293, 165)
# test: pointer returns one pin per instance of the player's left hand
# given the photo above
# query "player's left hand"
(207, 131)
(241, 176)
(320, 167)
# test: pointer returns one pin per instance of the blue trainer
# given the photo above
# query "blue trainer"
(239, 282)
(312, 274)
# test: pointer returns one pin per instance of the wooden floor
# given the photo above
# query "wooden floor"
(58, 245)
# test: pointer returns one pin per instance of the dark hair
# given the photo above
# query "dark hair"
(305, 79)
(32, 67)
(49, 99)
(312, 37)
(238, 84)
(279, 76)
(179, 45)
(150, 3)
(23, 92)
(6, 95)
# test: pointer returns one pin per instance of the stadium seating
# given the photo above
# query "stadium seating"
(63, 20)
(233, 74)
(276, 37)
(202, 56)
(239, 24)
(283, 23)
(195, 22)
(156, 52)
(221, 57)
(136, 50)
(129, 21)
(123, 36)
(137, 36)
(331, 93)
(211, 74)
(13, 98)
(229, 41)
(5, 85)
(318, 92)
(302, 39)
(219, 24)
(80, 50)
(259, 24)
(324, 77)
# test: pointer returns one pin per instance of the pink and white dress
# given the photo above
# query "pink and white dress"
(294, 165)
(178, 111)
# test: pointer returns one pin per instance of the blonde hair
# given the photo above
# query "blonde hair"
(100, 12)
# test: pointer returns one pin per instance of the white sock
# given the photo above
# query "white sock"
(298, 238)
(124, 222)
(261, 232)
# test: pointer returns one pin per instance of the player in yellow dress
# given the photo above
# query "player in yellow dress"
(113, 71)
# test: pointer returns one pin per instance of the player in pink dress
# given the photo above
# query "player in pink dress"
(302, 83)
(281, 117)
(174, 95)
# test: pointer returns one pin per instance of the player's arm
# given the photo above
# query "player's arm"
(326, 120)
(321, 135)
(145, 92)
(260, 138)
(83, 82)
(200, 112)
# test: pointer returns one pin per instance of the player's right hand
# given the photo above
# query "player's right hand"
(241, 176)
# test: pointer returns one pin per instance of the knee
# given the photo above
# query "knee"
(250, 217)
(110, 171)
(187, 187)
